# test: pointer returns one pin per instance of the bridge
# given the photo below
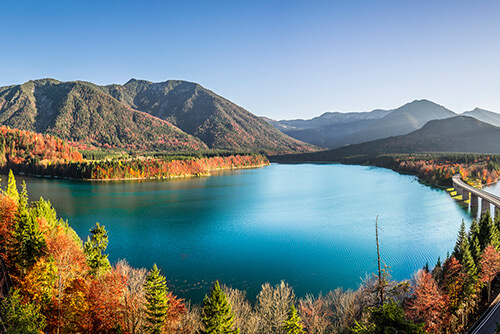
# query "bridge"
(469, 192)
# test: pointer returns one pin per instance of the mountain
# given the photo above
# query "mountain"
(81, 112)
(484, 115)
(330, 128)
(140, 115)
(338, 129)
(400, 121)
(200, 112)
(457, 134)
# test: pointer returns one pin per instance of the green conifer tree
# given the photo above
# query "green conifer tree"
(488, 232)
(94, 247)
(17, 317)
(461, 239)
(217, 314)
(156, 301)
(11, 187)
(292, 324)
(29, 240)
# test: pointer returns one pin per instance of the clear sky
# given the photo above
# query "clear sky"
(282, 59)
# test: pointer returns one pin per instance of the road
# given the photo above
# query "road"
(487, 325)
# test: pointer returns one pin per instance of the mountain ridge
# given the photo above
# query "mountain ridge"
(172, 115)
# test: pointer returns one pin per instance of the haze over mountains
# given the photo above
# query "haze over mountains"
(334, 130)
(459, 134)
(171, 115)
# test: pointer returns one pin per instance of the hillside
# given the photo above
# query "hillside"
(81, 112)
(457, 134)
(218, 122)
(169, 116)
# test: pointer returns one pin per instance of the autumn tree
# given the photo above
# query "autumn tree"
(315, 313)
(245, 318)
(104, 298)
(427, 304)
(272, 306)
(156, 301)
(134, 297)
(489, 266)
(94, 249)
(217, 315)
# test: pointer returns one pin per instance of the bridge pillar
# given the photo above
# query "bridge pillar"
(473, 200)
(485, 205)
(465, 195)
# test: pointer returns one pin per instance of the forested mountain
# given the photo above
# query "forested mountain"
(456, 134)
(140, 115)
(200, 112)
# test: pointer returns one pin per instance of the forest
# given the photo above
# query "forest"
(43, 155)
(56, 283)
(438, 168)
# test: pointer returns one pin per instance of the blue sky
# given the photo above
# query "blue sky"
(282, 59)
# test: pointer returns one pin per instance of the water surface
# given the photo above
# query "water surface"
(309, 224)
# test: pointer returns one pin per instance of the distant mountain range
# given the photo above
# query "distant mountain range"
(140, 115)
(459, 134)
(334, 130)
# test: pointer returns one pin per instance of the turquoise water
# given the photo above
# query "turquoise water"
(311, 225)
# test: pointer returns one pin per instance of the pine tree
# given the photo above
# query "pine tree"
(292, 324)
(217, 314)
(11, 187)
(28, 240)
(459, 245)
(488, 232)
(94, 247)
(156, 301)
(474, 244)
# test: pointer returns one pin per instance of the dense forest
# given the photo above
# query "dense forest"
(44, 155)
(60, 284)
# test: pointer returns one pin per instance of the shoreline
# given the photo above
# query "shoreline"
(207, 174)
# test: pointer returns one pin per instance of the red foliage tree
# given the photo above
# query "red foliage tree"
(427, 304)
(490, 266)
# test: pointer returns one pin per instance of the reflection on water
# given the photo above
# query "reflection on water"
(311, 225)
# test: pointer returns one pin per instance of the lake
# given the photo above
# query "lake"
(312, 225)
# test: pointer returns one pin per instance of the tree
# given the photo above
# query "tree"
(474, 244)
(134, 297)
(292, 324)
(272, 306)
(11, 187)
(427, 304)
(385, 319)
(20, 318)
(488, 232)
(490, 266)
(156, 301)
(459, 245)
(94, 247)
(217, 314)
(29, 241)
